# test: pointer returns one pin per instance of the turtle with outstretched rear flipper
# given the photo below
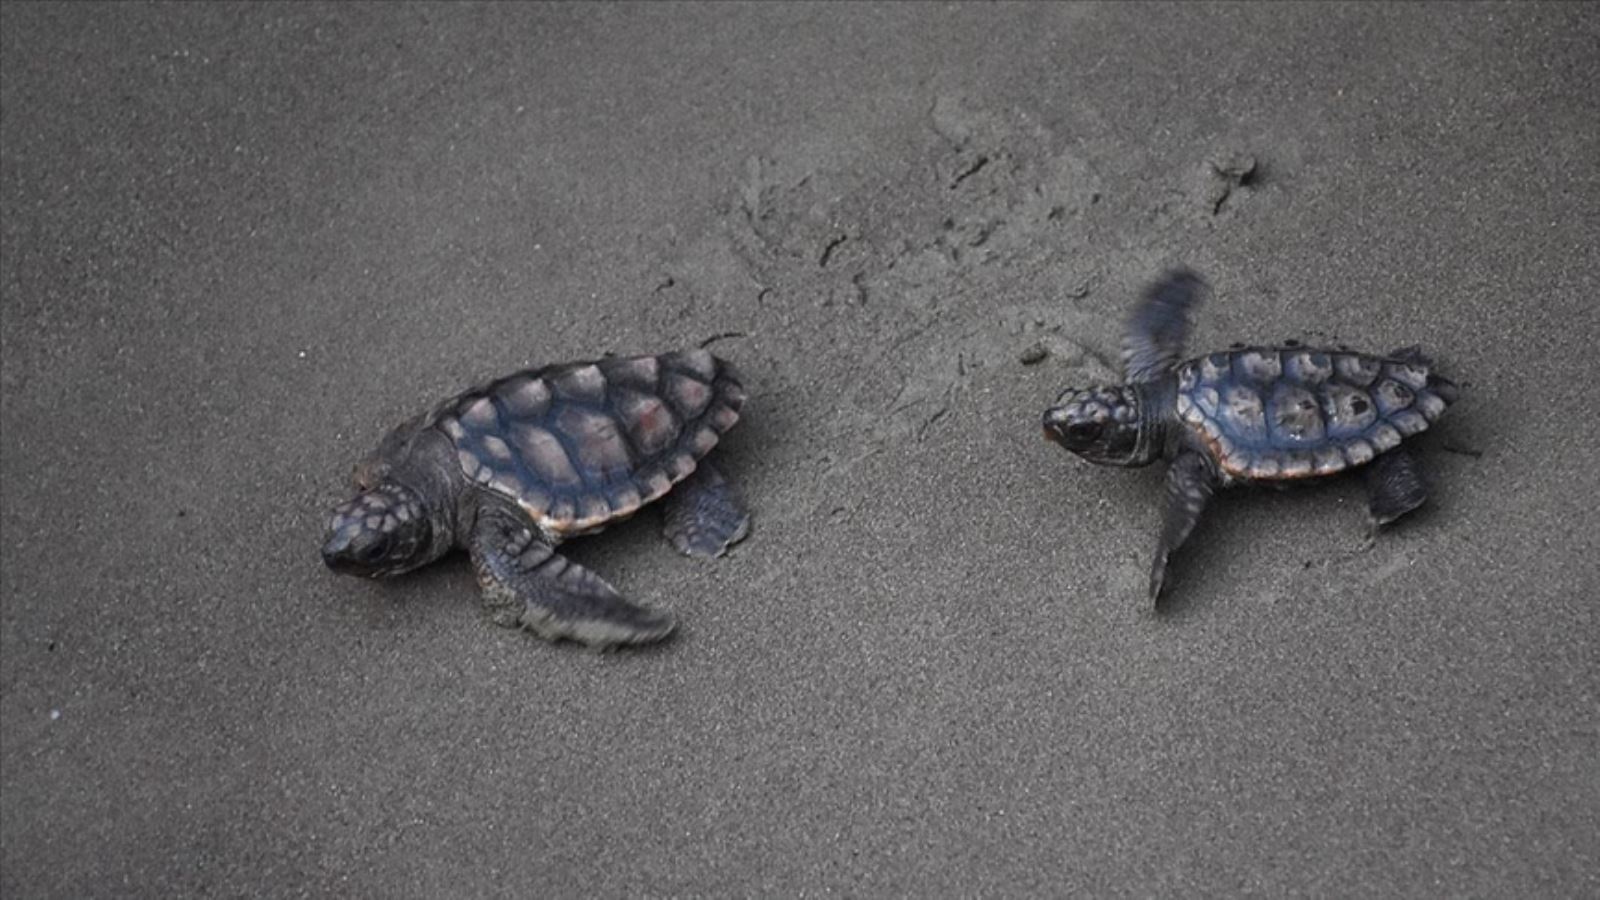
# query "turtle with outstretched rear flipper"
(509, 470)
(1250, 415)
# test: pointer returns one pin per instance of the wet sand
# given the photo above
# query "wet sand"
(240, 242)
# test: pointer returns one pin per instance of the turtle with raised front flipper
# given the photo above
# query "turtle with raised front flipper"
(1250, 415)
(509, 470)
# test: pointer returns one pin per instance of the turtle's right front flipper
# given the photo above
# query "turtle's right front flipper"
(1159, 324)
(527, 584)
(1190, 484)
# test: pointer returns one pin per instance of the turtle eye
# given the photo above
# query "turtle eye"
(375, 552)
(1084, 432)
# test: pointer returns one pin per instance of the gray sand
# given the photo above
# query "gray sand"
(240, 242)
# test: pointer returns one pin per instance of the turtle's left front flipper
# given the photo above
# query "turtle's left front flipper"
(1190, 484)
(527, 584)
(705, 514)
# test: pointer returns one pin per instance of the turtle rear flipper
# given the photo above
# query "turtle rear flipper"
(705, 514)
(1394, 487)
(527, 584)
(1447, 390)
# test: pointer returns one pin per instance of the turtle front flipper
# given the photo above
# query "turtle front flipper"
(1395, 486)
(527, 584)
(705, 514)
(1190, 484)
(1159, 325)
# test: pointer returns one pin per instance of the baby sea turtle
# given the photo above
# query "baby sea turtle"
(509, 470)
(1251, 415)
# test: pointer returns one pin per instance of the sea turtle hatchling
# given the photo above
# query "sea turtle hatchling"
(1250, 415)
(509, 470)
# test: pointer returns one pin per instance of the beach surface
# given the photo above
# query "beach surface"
(240, 242)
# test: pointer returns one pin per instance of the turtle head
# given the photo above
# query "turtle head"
(384, 530)
(1099, 423)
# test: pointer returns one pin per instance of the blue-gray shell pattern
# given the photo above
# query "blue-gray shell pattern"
(1269, 413)
(579, 445)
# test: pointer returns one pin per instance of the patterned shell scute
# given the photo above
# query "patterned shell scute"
(1270, 413)
(580, 445)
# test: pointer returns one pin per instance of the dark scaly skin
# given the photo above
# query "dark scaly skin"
(468, 476)
(1255, 425)
(416, 464)
(512, 563)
